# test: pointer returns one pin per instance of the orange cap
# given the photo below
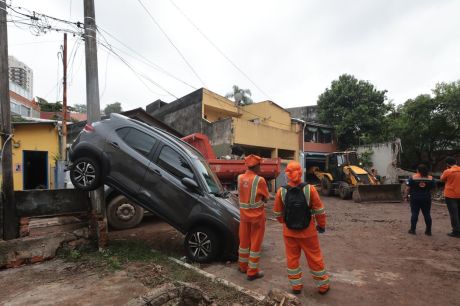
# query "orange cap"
(252, 160)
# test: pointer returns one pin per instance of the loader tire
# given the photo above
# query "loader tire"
(345, 192)
(326, 187)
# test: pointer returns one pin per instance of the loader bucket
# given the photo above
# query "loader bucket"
(377, 193)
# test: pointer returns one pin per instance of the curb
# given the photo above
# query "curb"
(259, 297)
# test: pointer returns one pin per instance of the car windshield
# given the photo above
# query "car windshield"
(212, 182)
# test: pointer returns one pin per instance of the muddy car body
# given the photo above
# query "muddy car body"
(162, 174)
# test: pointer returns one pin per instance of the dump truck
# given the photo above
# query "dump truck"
(227, 170)
(343, 176)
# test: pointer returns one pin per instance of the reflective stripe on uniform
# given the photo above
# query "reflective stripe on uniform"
(322, 282)
(254, 254)
(243, 259)
(296, 281)
(252, 201)
(253, 265)
(317, 211)
(243, 251)
(318, 273)
(306, 192)
(294, 271)
(278, 213)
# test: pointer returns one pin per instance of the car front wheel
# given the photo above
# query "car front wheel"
(202, 244)
(85, 174)
(122, 214)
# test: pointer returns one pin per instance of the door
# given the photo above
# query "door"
(35, 167)
(162, 189)
(129, 151)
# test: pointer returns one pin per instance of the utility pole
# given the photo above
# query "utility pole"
(64, 100)
(8, 223)
(99, 219)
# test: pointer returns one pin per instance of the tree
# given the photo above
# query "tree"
(113, 108)
(240, 96)
(46, 106)
(80, 108)
(356, 109)
(428, 126)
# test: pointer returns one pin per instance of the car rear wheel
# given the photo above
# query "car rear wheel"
(202, 244)
(122, 214)
(85, 174)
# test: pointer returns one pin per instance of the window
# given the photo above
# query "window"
(175, 164)
(139, 141)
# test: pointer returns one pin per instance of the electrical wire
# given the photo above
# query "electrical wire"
(171, 42)
(218, 49)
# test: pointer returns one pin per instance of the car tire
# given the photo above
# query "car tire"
(326, 187)
(85, 174)
(123, 214)
(202, 244)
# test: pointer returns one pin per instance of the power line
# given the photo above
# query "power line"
(171, 42)
(142, 58)
(218, 49)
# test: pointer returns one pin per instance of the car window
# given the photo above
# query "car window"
(174, 163)
(139, 141)
(123, 132)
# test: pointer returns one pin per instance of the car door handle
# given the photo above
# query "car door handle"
(157, 172)
(115, 144)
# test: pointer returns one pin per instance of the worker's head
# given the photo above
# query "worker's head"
(294, 172)
(450, 161)
(422, 170)
(253, 162)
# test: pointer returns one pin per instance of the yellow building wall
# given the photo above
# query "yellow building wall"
(216, 107)
(34, 137)
(269, 114)
(260, 135)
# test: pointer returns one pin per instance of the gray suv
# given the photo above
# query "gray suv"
(162, 174)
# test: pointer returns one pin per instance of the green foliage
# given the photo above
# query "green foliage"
(356, 109)
(80, 108)
(366, 158)
(428, 125)
(240, 96)
(113, 108)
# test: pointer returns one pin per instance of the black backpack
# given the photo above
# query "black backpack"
(297, 213)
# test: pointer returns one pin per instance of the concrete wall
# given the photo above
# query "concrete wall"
(220, 136)
(183, 115)
(306, 113)
(384, 158)
(269, 114)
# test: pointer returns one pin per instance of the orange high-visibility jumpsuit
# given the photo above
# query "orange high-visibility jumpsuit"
(307, 240)
(252, 191)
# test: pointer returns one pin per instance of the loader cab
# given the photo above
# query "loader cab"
(337, 160)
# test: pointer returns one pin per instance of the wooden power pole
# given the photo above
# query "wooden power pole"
(94, 113)
(64, 100)
(8, 223)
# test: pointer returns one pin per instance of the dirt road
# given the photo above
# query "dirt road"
(371, 257)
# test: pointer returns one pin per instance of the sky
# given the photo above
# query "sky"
(286, 51)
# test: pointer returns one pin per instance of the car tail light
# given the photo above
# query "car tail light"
(89, 128)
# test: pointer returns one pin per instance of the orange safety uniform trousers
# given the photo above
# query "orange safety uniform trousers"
(310, 247)
(251, 236)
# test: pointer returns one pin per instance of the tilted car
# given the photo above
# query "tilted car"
(162, 174)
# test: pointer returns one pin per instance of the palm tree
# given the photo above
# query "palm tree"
(240, 96)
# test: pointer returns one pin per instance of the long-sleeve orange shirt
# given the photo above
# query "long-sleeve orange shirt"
(451, 177)
(317, 212)
(253, 191)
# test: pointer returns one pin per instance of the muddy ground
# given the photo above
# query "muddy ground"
(371, 257)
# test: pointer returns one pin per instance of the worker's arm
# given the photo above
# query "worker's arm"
(278, 207)
(262, 189)
(407, 190)
(444, 175)
(317, 208)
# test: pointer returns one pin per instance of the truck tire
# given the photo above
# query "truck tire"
(326, 187)
(122, 214)
(345, 192)
(202, 244)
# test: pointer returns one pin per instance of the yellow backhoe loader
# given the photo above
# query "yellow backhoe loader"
(344, 177)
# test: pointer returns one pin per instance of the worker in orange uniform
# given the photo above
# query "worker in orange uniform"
(451, 177)
(253, 192)
(297, 206)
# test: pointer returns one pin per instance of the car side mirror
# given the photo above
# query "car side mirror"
(188, 182)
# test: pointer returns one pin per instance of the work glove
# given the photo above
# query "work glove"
(320, 229)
